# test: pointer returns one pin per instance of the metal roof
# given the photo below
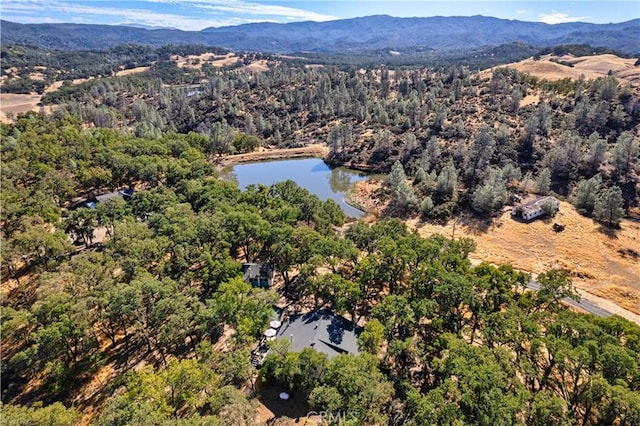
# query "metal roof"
(322, 330)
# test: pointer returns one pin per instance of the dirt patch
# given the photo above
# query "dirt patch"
(272, 407)
(92, 392)
(625, 297)
(530, 100)
(550, 67)
(363, 195)
(100, 235)
(54, 86)
(314, 150)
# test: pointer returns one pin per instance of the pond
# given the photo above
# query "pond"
(312, 174)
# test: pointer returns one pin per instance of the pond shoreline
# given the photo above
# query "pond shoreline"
(306, 170)
(309, 151)
(352, 198)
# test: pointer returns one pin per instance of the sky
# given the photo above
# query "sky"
(194, 15)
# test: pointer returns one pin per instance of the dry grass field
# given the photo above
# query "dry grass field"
(196, 61)
(131, 71)
(257, 66)
(550, 67)
(602, 263)
(12, 104)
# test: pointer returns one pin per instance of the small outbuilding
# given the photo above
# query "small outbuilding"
(124, 194)
(258, 274)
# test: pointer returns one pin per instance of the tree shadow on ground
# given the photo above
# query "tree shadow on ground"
(474, 225)
(92, 384)
(269, 395)
(610, 232)
(477, 225)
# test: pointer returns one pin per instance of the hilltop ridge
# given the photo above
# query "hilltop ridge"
(339, 36)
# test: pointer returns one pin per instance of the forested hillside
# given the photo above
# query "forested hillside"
(352, 36)
(136, 311)
(28, 69)
(503, 129)
(444, 342)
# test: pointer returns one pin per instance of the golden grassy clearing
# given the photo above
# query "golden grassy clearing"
(229, 59)
(36, 76)
(602, 263)
(590, 67)
(595, 259)
(131, 71)
(196, 61)
(257, 66)
(12, 104)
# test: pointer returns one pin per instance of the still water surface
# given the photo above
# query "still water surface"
(312, 174)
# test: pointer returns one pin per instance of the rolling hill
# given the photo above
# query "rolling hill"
(341, 36)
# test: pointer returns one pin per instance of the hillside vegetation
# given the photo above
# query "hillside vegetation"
(352, 36)
(136, 312)
(554, 67)
(506, 126)
(156, 322)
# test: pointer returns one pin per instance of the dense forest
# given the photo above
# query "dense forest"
(351, 36)
(444, 342)
(152, 322)
(456, 133)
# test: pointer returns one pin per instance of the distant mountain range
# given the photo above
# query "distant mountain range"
(357, 35)
(148, 27)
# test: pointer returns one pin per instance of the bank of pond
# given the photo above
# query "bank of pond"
(313, 174)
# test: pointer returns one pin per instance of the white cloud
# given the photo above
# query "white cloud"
(522, 12)
(560, 18)
(32, 19)
(248, 8)
(197, 14)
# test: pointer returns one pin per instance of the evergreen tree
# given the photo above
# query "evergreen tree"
(597, 151)
(543, 182)
(446, 183)
(405, 196)
(397, 175)
(587, 193)
(421, 176)
(625, 154)
(608, 206)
